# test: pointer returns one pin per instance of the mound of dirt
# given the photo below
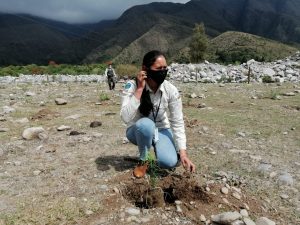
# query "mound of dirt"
(183, 190)
(45, 114)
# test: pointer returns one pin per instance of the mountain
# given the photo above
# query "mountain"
(165, 26)
(168, 26)
(28, 39)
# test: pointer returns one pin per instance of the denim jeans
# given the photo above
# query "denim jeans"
(142, 134)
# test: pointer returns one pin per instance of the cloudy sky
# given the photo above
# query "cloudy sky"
(74, 11)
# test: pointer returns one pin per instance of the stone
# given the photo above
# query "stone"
(202, 218)
(263, 168)
(3, 129)
(63, 128)
(224, 190)
(236, 195)
(241, 134)
(284, 196)
(133, 211)
(285, 179)
(73, 117)
(60, 101)
(36, 172)
(22, 120)
(289, 94)
(268, 72)
(226, 217)
(95, 124)
(264, 221)
(244, 213)
(29, 93)
(238, 222)
(193, 95)
(178, 209)
(33, 132)
(88, 212)
(248, 221)
(8, 109)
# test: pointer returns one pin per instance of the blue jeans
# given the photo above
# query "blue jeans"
(142, 134)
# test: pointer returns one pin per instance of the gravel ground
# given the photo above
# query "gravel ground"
(239, 136)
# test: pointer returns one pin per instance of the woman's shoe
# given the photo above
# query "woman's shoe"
(141, 169)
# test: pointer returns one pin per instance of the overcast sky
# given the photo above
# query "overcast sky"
(74, 11)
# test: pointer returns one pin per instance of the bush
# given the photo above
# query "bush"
(128, 70)
(267, 79)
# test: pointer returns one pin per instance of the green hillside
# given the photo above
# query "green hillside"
(231, 47)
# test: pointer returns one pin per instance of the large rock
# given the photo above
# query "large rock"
(34, 132)
(264, 221)
(226, 218)
(60, 101)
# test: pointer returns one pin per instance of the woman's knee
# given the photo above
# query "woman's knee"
(168, 163)
(145, 126)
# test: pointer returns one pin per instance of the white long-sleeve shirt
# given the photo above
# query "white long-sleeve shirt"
(170, 111)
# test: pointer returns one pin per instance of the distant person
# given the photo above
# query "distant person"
(111, 77)
(146, 102)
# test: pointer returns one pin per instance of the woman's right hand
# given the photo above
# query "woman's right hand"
(141, 82)
(141, 77)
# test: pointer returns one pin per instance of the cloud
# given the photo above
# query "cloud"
(73, 11)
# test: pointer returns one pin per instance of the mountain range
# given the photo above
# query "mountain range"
(165, 26)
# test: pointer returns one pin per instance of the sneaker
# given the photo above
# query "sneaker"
(141, 169)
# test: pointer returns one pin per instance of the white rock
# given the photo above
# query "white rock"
(236, 195)
(264, 221)
(36, 172)
(33, 132)
(22, 120)
(202, 218)
(244, 213)
(60, 101)
(3, 129)
(88, 212)
(237, 222)
(224, 190)
(73, 117)
(269, 72)
(8, 109)
(248, 221)
(133, 211)
(29, 93)
(63, 128)
(178, 209)
(226, 218)
(285, 179)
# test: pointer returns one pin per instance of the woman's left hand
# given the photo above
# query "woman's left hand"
(186, 162)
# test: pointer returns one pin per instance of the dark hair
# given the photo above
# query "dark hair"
(146, 105)
(150, 58)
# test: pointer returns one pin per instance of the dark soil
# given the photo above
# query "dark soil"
(194, 198)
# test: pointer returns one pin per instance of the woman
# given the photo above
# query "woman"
(144, 109)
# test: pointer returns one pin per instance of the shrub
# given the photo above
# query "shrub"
(267, 79)
(128, 70)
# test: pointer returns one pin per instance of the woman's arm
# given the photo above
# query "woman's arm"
(131, 97)
(177, 124)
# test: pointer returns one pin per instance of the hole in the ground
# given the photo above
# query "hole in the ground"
(167, 190)
(169, 196)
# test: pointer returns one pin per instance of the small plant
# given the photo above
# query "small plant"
(103, 97)
(153, 169)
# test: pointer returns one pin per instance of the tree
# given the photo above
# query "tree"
(198, 44)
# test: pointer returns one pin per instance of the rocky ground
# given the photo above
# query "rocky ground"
(74, 164)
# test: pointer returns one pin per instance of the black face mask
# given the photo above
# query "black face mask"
(158, 76)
